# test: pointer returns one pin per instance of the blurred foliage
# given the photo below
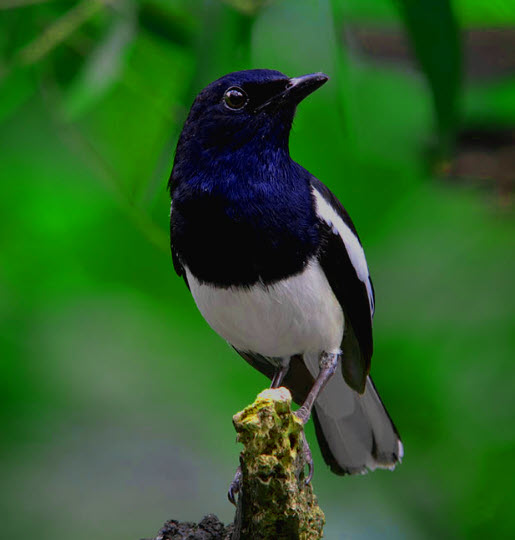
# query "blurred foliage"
(107, 368)
(434, 32)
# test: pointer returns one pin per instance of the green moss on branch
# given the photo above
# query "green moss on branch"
(275, 501)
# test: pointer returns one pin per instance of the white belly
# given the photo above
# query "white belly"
(293, 316)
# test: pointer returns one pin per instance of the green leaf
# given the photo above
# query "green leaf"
(485, 13)
(102, 69)
(491, 104)
(434, 32)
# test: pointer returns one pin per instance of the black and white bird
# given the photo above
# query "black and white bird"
(274, 262)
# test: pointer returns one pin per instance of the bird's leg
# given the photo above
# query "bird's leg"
(280, 373)
(328, 363)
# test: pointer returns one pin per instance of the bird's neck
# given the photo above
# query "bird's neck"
(221, 162)
(235, 170)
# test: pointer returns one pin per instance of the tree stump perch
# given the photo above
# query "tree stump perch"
(274, 500)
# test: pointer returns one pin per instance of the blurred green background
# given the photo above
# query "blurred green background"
(116, 397)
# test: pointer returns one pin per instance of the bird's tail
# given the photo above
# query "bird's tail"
(354, 431)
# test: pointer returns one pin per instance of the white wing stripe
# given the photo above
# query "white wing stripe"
(354, 249)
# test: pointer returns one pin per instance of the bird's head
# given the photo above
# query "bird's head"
(243, 108)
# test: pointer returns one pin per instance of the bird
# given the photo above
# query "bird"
(275, 265)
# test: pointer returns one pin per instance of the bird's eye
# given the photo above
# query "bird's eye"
(235, 98)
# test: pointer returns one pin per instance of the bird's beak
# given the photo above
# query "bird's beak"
(300, 87)
(297, 89)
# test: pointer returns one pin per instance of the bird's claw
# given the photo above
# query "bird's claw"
(309, 477)
(304, 414)
(308, 458)
(234, 487)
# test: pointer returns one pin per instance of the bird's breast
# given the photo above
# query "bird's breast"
(295, 315)
(243, 242)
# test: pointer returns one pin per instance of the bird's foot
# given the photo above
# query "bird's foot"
(308, 458)
(303, 414)
(234, 487)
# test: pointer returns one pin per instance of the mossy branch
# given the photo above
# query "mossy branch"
(274, 501)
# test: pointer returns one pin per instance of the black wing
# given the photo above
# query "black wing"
(343, 262)
(177, 265)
